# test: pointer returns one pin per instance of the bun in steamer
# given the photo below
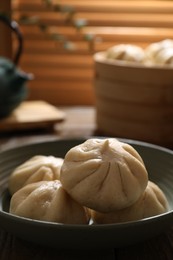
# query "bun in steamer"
(104, 174)
(159, 53)
(126, 52)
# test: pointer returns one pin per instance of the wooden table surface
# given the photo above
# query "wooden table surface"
(80, 122)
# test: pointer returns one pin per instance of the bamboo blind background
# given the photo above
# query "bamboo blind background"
(65, 77)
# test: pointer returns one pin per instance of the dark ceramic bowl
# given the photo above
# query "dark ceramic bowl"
(159, 163)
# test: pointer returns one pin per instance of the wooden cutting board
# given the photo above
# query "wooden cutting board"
(32, 114)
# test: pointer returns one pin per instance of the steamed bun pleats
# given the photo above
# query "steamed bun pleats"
(37, 168)
(152, 202)
(48, 201)
(104, 174)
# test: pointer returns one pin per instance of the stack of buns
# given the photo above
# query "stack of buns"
(101, 179)
(37, 193)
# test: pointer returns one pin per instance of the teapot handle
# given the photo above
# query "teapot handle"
(15, 28)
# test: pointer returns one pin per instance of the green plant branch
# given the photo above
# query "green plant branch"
(70, 19)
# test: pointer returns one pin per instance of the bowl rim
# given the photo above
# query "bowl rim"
(82, 139)
(31, 227)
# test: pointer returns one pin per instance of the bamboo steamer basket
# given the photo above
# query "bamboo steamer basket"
(133, 100)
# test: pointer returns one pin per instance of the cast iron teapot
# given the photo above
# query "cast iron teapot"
(13, 89)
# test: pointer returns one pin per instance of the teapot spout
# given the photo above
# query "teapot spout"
(18, 83)
(23, 76)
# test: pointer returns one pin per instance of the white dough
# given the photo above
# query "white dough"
(48, 201)
(37, 168)
(159, 53)
(104, 174)
(126, 52)
(152, 202)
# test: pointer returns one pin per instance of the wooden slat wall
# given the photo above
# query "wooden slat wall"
(64, 77)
